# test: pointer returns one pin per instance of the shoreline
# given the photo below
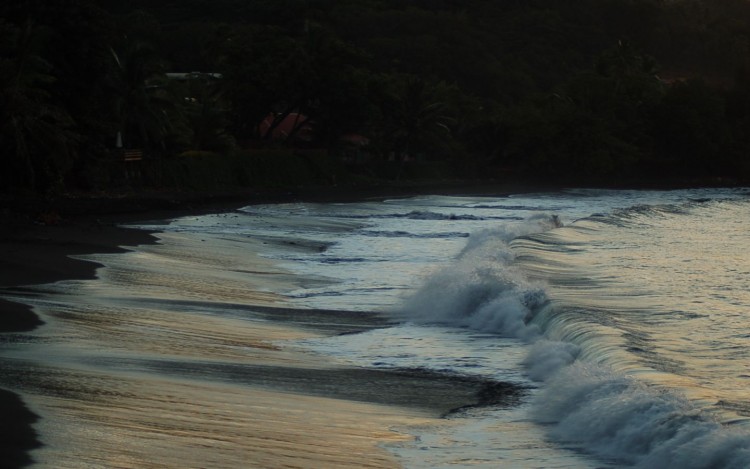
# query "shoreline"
(37, 238)
(17, 436)
(34, 254)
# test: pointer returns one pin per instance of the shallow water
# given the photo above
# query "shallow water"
(620, 316)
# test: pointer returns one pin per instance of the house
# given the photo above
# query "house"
(294, 125)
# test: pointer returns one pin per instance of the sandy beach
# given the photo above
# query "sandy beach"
(33, 253)
(298, 412)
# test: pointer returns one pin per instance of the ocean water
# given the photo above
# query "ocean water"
(622, 317)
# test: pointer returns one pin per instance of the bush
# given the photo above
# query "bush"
(267, 168)
(286, 167)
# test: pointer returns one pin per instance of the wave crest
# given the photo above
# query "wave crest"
(584, 403)
(482, 289)
(617, 417)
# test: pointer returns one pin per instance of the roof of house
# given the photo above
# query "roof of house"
(287, 126)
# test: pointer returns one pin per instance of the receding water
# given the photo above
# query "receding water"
(622, 318)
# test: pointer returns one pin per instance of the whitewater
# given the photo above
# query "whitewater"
(624, 313)
(622, 318)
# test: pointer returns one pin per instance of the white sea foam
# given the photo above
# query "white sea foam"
(547, 357)
(482, 289)
(583, 403)
(622, 419)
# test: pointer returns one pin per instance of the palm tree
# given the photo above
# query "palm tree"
(142, 101)
(417, 120)
(35, 134)
(207, 115)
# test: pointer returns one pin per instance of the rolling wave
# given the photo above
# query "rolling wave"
(591, 395)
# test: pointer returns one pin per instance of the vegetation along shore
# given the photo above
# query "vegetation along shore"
(107, 96)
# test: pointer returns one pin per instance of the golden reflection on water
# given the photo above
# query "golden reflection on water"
(671, 299)
(151, 423)
(112, 373)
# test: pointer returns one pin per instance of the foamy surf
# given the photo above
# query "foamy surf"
(299, 334)
(587, 399)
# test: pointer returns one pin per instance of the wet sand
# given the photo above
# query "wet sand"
(16, 434)
(304, 414)
(32, 253)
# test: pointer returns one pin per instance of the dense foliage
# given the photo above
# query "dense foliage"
(299, 91)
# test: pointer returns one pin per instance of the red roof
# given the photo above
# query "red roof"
(287, 126)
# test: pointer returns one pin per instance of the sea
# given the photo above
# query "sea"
(620, 318)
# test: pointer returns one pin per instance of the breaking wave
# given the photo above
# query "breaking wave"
(619, 418)
(582, 401)
(483, 289)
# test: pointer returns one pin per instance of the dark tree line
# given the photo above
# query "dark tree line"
(584, 91)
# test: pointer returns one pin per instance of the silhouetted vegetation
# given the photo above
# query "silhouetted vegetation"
(329, 91)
